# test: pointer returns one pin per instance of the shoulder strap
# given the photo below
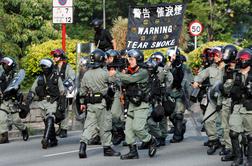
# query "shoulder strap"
(63, 71)
(249, 78)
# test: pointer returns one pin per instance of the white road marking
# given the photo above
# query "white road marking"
(72, 151)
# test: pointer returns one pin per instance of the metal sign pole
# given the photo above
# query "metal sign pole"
(63, 36)
(195, 42)
(104, 15)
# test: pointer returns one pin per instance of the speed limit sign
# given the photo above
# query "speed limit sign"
(195, 28)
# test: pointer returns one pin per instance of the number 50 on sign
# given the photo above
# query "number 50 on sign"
(195, 28)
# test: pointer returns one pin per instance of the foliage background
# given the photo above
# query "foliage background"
(35, 53)
(28, 34)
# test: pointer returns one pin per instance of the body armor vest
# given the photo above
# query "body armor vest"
(48, 86)
(62, 72)
(178, 75)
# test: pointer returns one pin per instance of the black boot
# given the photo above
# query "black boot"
(215, 145)
(249, 151)
(152, 147)
(179, 129)
(171, 131)
(63, 133)
(237, 150)
(49, 123)
(82, 151)
(118, 136)
(108, 151)
(161, 141)
(228, 157)
(4, 138)
(133, 154)
(25, 134)
(207, 143)
(224, 151)
(53, 140)
(143, 146)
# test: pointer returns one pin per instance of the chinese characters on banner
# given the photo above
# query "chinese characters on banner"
(156, 26)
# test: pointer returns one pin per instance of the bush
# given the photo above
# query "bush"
(36, 52)
(194, 60)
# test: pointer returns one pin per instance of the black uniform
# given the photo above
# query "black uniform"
(103, 40)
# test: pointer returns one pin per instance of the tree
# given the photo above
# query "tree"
(25, 23)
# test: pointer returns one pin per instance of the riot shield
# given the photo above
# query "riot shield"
(214, 92)
(14, 85)
(70, 88)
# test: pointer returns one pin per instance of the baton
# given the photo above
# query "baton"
(208, 116)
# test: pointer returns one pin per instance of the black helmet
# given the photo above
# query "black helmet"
(47, 65)
(151, 66)
(244, 58)
(205, 53)
(97, 58)
(159, 58)
(113, 53)
(229, 53)
(216, 52)
(123, 52)
(136, 54)
(97, 23)
(59, 53)
(8, 63)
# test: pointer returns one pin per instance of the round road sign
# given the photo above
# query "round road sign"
(195, 28)
(62, 2)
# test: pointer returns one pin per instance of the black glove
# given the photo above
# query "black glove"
(29, 98)
(24, 110)
(62, 103)
(111, 91)
(218, 108)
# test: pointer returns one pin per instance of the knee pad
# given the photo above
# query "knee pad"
(179, 116)
(233, 134)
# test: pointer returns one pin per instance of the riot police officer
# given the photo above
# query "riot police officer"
(114, 61)
(48, 92)
(182, 77)
(9, 112)
(94, 99)
(112, 55)
(136, 82)
(241, 118)
(215, 73)
(159, 130)
(65, 72)
(103, 39)
(229, 57)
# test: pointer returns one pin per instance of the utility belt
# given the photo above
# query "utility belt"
(93, 98)
(137, 97)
